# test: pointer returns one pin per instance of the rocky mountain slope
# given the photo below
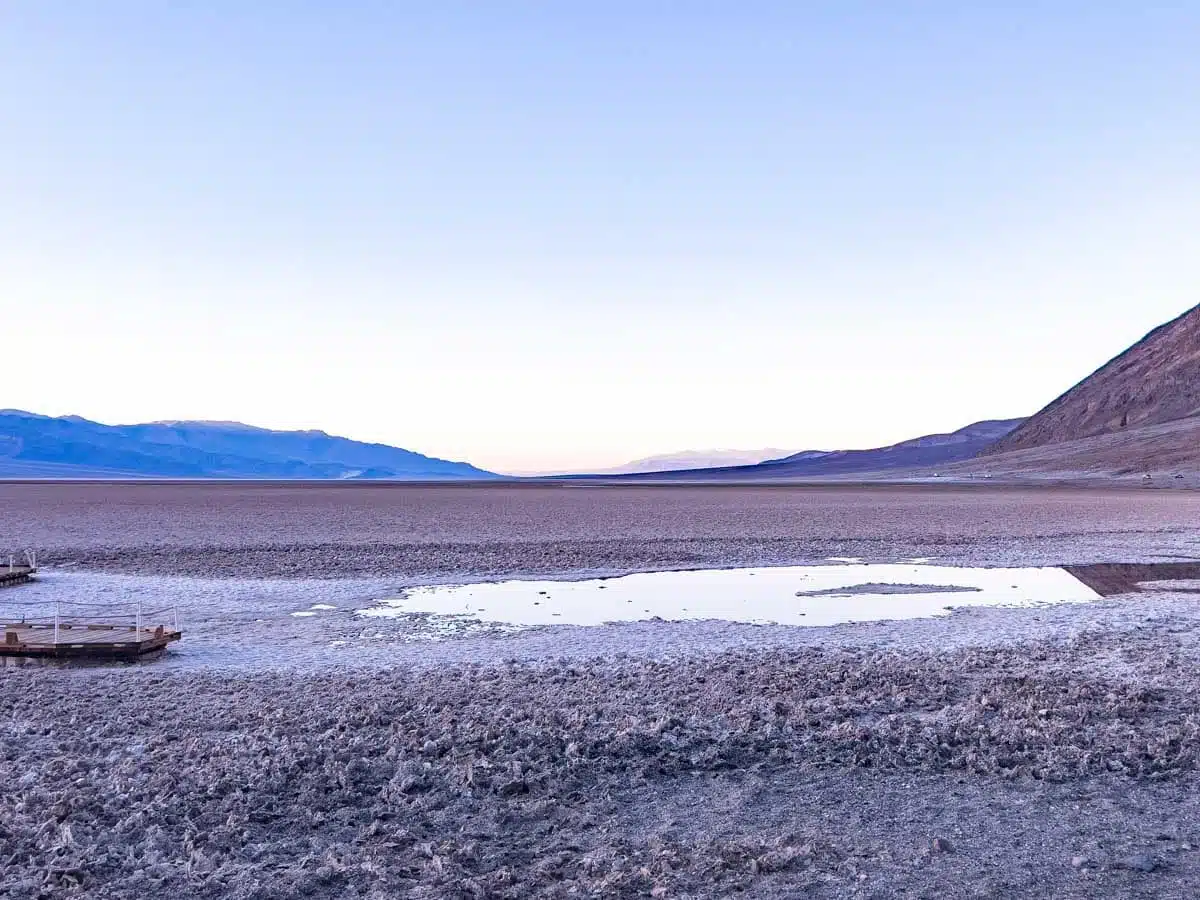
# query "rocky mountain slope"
(1169, 453)
(34, 446)
(916, 453)
(1155, 381)
(928, 450)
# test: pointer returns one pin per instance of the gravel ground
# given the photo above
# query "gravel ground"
(992, 753)
(455, 532)
(1064, 769)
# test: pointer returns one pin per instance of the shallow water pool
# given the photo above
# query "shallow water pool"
(784, 595)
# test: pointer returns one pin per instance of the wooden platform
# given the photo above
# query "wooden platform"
(72, 641)
(10, 575)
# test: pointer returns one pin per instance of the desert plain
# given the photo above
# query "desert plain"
(990, 752)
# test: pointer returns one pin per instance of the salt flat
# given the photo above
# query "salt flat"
(1047, 751)
(339, 530)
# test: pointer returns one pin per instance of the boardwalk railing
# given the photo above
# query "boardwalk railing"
(18, 572)
(29, 561)
(68, 615)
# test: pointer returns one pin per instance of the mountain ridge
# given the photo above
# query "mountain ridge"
(915, 453)
(31, 442)
(1155, 381)
(693, 459)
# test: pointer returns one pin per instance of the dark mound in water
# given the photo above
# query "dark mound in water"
(884, 588)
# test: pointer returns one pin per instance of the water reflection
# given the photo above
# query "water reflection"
(787, 595)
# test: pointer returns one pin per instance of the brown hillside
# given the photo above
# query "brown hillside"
(1164, 450)
(1156, 380)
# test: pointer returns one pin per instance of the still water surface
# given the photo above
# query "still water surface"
(785, 595)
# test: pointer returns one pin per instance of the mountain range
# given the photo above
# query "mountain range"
(916, 453)
(1138, 413)
(695, 459)
(35, 446)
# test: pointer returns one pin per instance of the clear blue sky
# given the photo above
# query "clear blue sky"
(549, 236)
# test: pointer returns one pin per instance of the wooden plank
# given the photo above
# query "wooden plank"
(119, 639)
(77, 636)
(15, 575)
(84, 636)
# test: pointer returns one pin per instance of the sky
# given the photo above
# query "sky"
(543, 236)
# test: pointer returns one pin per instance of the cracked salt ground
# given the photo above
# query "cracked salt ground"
(783, 595)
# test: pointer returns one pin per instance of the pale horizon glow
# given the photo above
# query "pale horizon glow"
(559, 238)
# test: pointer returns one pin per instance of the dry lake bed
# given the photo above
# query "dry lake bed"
(578, 691)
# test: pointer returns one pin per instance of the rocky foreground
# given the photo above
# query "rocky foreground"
(1065, 770)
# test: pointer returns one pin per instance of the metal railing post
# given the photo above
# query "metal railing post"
(56, 609)
(138, 629)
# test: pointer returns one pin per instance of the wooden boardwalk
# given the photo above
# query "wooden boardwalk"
(69, 629)
(93, 641)
(10, 575)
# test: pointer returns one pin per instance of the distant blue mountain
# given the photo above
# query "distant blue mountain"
(33, 446)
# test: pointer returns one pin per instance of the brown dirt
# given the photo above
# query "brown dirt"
(1167, 452)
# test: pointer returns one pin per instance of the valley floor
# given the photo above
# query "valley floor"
(993, 753)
